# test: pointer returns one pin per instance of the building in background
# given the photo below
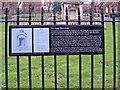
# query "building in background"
(0, 7)
(24, 6)
(85, 6)
(3, 6)
(107, 6)
(36, 7)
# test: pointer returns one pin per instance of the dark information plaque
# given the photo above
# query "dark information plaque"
(77, 39)
(57, 40)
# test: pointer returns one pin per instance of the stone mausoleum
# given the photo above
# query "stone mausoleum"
(72, 10)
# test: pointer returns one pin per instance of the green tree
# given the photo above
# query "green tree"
(57, 6)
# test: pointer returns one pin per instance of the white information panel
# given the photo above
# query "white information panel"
(21, 40)
(41, 40)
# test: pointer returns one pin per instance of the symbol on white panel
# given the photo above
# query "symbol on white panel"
(21, 39)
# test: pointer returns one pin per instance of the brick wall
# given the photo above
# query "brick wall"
(25, 7)
(37, 7)
(108, 4)
(2, 9)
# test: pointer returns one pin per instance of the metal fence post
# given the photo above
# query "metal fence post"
(103, 67)
(18, 75)
(114, 45)
(30, 84)
(79, 16)
(80, 86)
(55, 61)
(91, 54)
(66, 16)
(6, 59)
(42, 18)
(67, 55)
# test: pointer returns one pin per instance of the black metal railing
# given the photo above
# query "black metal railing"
(55, 57)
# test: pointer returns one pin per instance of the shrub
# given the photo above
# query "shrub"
(5, 11)
(107, 15)
(86, 10)
(116, 14)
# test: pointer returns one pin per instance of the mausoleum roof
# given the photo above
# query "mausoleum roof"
(80, 2)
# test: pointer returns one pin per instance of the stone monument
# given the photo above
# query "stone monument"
(72, 10)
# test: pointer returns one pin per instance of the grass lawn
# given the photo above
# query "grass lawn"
(21, 16)
(61, 67)
(38, 15)
(59, 16)
(117, 18)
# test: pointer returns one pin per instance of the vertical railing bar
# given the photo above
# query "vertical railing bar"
(18, 75)
(66, 16)
(55, 62)
(6, 62)
(42, 18)
(29, 14)
(79, 16)
(30, 84)
(42, 72)
(18, 16)
(80, 81)
(92, 72)
(103, 68)
(114, 45)
(91, 54)
(80, 54)
(90, 16)
(55, 66)
(67, 55)
(54, 17)
(68, 72)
